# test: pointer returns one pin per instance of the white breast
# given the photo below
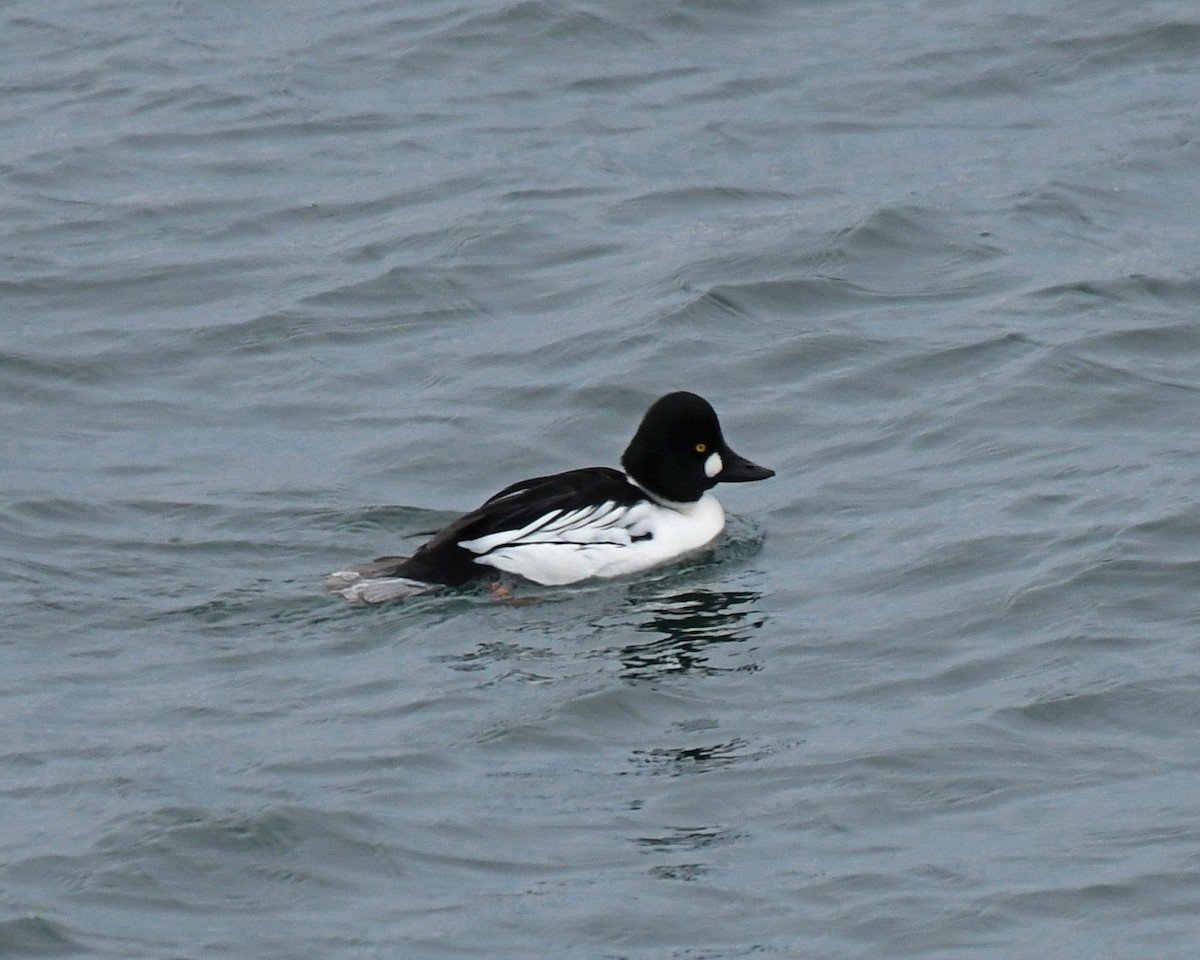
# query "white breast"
(605, 540)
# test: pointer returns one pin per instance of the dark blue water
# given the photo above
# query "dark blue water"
(283, 285)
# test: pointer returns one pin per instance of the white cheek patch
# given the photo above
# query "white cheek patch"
(713, 465)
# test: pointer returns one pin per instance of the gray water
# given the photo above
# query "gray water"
(285, 284)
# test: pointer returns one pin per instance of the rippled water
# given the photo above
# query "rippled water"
(286, 284)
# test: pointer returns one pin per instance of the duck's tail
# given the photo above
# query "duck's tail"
(375, 582)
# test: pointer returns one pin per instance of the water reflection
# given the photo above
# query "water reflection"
(688, 625)
(675, 761)
(684, 841)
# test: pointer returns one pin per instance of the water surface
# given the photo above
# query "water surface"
(286, 284)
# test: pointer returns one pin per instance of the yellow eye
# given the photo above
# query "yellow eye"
(700, 447)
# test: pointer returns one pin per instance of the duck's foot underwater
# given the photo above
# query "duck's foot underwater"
(503, 593)
(506, 593)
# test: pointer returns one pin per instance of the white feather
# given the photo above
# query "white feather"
(604, 540)
(591, 524)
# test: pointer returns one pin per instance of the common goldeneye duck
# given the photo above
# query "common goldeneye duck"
(593, 522)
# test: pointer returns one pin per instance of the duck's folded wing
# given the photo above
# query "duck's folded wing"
(543, 528)
(597, 523)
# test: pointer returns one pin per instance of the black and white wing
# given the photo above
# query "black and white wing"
(555, 529)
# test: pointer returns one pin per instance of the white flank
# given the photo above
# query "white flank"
(605, 540)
